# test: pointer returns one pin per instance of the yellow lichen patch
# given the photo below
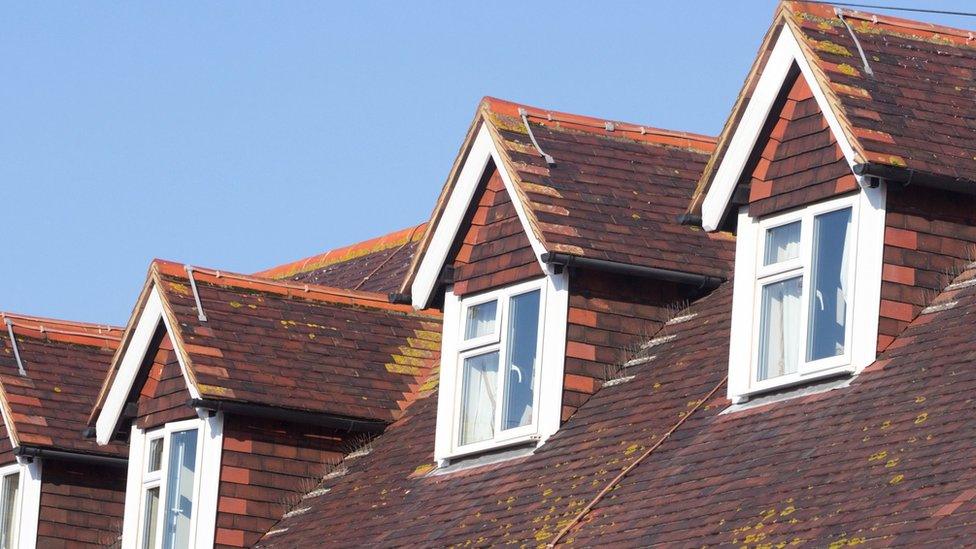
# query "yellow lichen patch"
(891, 463)
(403, 369)
(631, 449)
(787, 511)
(886, 425)
(877, 456)
(252, 306)
(428, 335)
(547, 492)
(423, 469)
(418, 353)
(847, 69)
(409, 360)
(179, 288)
(919, 399)
(311, 336)
(896, 479)
(216, 390)
(897, 161)
(920, 418)
(423, 344)
(827, 46)
(236, 304)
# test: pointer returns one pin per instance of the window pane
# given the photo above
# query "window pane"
(779, 328)
(480, 320)
(149, 517)
(830, 284)
(523, 336)
(179, 489)
(782, 243)
(155, 455)
(8, 511)
(480, 381)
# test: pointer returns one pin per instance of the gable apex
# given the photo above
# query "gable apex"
(783, 55)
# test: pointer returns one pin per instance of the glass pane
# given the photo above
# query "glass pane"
(149, 517)
(8, 511)
(478, 386)
(480, 320)
(523, 336)
(779, 328)
(830, 284)
(179, 489)
(782, 243)
(155, 455)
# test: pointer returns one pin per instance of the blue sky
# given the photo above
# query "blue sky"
(244, 135)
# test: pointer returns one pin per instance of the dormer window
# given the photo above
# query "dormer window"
(498, 358)
(806, 293)
(803, 287)
(501, 375)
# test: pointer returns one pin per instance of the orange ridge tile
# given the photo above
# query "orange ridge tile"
(598, 125)
(67, 331)
(291, 289)
(346, 253)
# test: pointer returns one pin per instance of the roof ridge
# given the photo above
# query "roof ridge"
(68, 331)
(346, 253)
(888, 22)
(294, 289)
(602, 126)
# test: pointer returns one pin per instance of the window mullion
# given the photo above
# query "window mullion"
(503, 343)
(806, 256)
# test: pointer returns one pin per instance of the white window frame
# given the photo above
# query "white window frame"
(205, 481)
(867, 243)
(28, 504)
(550, 354)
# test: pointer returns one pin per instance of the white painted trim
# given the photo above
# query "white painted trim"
(449, 225)
(785, 53)
(206, 480)
(554, 310)
(130, 362)
(27, 510)
(868, 217)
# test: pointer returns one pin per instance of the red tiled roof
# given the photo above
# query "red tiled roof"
(612, 194)
(375, 265)
(886, 460)
(297, 346)
(65, 362)
(916, 112)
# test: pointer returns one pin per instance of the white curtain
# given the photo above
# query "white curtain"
(478, 398)
(480, 320)
(780, 336)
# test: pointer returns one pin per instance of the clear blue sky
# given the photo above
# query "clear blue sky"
(244, 135)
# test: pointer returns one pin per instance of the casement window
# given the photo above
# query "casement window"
(170, 463)
(794, 310)
(20, 493)
(9, 508)
(497, 363)
(169, 496)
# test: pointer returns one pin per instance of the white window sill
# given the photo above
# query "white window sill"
(814, 383)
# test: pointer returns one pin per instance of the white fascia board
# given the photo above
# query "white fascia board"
(742, 142)
(130, 362)
(482, 149)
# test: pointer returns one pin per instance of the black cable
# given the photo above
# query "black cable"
(893, 8)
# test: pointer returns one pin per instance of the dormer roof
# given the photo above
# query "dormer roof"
(63, 363)
(613, 191)
(904, 110)
(287, 345)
